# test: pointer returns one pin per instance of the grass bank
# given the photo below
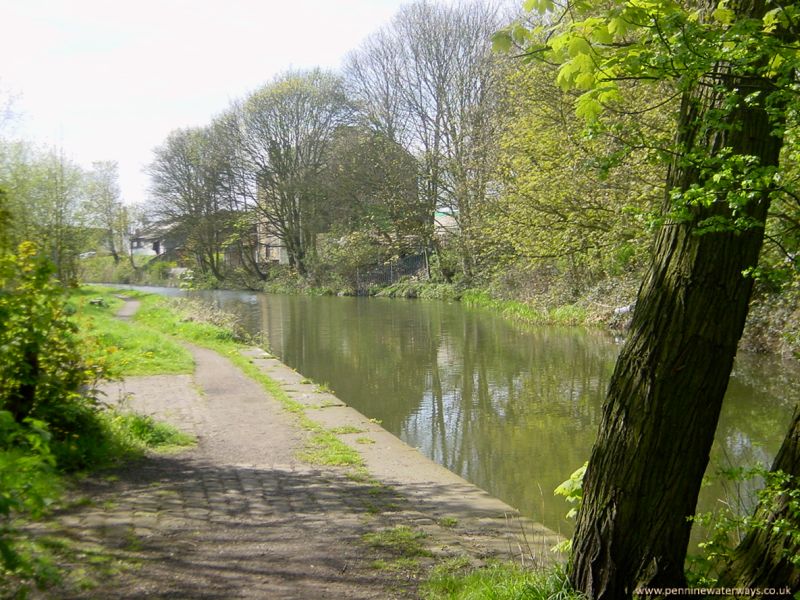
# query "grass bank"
(125, 349)
(453, 580)
(205, 326)
(142, 270)
(521, 312)
(514, 310)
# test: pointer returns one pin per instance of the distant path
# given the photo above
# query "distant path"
(240, 517)
(128, 309)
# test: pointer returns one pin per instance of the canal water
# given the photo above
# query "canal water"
(511, 409)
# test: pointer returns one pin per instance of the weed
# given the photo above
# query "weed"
(344, 429)
(125, 349)
(457, 580)
(359, 475)
(401, 541)
(448, 522)
(81, 502)
(132, 542)
(364, 440)
(372, 508)
(409, 566)
(153, 434)
(326, 449)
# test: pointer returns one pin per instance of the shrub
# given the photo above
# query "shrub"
(41, 368)
(28, 485)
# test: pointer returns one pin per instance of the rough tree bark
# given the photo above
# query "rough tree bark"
(764, 557)
(665, 395)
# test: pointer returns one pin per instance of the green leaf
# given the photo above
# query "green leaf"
(602, 35)
(540, 6)
(771, 20)
(579, 45)
(618, 26)
(724, 15)
(520, 33)
(774, 66)
(502, 41)
(588, 107)
(566, 75)
(584, 81)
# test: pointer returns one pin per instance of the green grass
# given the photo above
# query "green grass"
(325, 448)
(344, 429)
(402, 541)
(109, 437)
(163, 315)
(408, 566)
(524, 313)
(144, 432)
(419, 289)
(125, 349)
(511, 309)
(457, 580)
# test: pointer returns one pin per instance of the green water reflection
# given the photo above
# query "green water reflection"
(514, 411)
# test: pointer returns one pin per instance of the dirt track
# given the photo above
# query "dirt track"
(239, 516)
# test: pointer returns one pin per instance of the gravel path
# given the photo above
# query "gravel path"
(239, 516)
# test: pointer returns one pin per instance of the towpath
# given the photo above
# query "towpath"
(240, 516)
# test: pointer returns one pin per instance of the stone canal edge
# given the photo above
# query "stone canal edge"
(241, 516)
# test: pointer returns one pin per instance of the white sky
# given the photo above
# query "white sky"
(109, 79)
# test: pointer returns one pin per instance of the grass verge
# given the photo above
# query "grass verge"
(514, 310)
(142, 433)
(125, 349)
(520, 312)
(203, 326)
(78, 434)
(457, 580)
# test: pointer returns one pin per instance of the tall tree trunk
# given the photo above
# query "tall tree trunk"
(665, 395)
(768, 554)
(112, 247)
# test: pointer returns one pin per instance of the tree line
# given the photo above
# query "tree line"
(65, 208)
(350, 169)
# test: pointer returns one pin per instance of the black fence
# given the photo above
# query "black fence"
(389, 273)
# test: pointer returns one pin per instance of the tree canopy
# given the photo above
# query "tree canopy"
(733, 65)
